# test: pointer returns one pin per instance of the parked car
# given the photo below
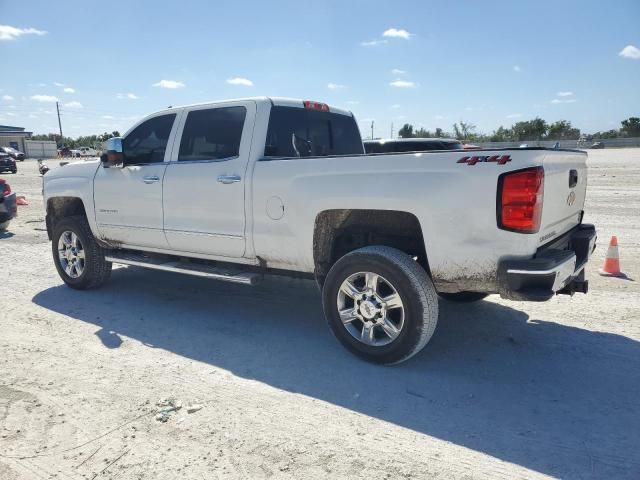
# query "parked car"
(597, 145)
(411, 145)
(7, 163)
(470, 146)
(13, 153)
(8, 208)
(87, 152)
(238, 189)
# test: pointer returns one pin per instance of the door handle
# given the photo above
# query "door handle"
(151, 179)
(226, 179)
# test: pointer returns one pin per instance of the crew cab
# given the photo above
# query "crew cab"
(238, 189)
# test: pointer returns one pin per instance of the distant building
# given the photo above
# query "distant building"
(13, 137)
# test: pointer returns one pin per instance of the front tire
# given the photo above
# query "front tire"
(77, 256)
(380, 304)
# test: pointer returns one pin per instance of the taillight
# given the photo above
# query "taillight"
(6, 189)
(323, 107)
(520, 196)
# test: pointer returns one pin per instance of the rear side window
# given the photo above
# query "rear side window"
(212, 134)
(148, 141)
(301, 132)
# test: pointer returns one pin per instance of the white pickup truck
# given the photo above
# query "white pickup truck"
(84, 152)
(237, 189)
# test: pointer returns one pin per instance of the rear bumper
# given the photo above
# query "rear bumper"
(555, 268)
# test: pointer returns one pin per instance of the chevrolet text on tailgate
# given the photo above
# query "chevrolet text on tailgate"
(238, 189)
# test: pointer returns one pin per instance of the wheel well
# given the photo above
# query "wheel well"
(338, 232)
(61, 207)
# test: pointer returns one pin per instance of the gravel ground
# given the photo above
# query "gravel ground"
(504, 390)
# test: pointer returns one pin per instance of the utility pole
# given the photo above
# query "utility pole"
(391, 134)
(59, 123)
(372, 129)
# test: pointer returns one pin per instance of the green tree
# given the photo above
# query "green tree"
(406, 131)
(562, 130)
(534, 129)
(465, 130)
(501, 135)
(631, 127)
(422, 133)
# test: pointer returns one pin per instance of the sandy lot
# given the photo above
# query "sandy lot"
(504, 390)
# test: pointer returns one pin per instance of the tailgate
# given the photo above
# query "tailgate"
(565, 188)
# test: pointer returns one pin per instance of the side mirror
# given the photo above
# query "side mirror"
(112, 156)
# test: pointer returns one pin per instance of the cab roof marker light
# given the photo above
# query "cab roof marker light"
(310, 104)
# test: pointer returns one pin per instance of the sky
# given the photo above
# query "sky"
(427, 63)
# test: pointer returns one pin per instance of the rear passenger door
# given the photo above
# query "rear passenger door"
(205, 182)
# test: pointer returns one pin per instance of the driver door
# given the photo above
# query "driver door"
(128, 199)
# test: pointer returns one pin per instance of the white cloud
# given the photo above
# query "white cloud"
(8, 32)
(516, 68)
(44, 98)
(11, 114)
(73, 105)
(7, 98)
(397, 33)
(131, 96)
(107, 117)
(58, 84)
(373, 43)
(69, 90)
(439, 117)
(402, 84)
(335, 86)
(352, 102)
(514, 115)
(169, 84)
(630, 51)
(568, 100)
(245, 82)
(397, 71)
(395, 106)
(564, 94)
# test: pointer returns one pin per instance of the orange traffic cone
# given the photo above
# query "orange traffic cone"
(611, 267)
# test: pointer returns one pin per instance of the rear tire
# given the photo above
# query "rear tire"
(89, 270)
(391, 309)
(464, 297)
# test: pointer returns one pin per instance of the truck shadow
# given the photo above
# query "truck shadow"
(559, 400)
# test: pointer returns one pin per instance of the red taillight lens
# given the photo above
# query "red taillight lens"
(520, 198)
(323, 107)
(6, 189)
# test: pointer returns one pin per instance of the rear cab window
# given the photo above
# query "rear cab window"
(302, 132)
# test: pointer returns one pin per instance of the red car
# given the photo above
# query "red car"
(8, 208)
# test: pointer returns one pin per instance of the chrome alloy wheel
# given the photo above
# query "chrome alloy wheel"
(370, 308)
(71, 254)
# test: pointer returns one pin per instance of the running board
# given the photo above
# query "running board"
(177, 265)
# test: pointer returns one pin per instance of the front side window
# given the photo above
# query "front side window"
(212, 134)
(148, 141)
(301, 132)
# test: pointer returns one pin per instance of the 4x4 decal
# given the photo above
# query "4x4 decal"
(499, 159)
